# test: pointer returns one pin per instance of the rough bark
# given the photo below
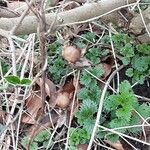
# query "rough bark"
(80, 14)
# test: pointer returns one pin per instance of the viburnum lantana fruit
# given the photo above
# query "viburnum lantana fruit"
(71, 53)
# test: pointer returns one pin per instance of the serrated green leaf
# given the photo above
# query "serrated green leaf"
(25, 81)
(83, 94)
(15, 80)
(127, 50)
(140, 63)
(125, 60)
(125, 87)
(97, 71)
(89, 125)
(78, 136)
(143, 48)
(25, 142)
(112, 137)
(42, 136)
(87, 110)
(129, 72)
(144, 110)
(85, 79)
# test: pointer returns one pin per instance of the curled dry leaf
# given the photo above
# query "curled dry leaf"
(33, 104)
(65, 96)
(71, 53)
(107, 70)
(50, 90)
(68, 86)
(117, 145)
(82, 63)
(47, 121)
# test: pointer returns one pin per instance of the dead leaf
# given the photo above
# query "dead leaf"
(33, 104)
(117, 145)
(50, 90)
(47, 121)
(83, 62)
(107, 70)
(82, 147)
(68, 86)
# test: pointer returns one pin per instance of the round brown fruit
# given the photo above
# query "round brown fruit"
(71, 53)
(63, 100)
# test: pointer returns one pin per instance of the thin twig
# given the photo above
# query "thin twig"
(71, 112)
(100, 106)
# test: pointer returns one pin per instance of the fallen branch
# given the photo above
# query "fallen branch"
(85, 13)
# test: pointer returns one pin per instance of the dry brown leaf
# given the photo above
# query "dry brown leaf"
(83, 62)
(107, 70)
(49, 86)
(50, 90)
(33, 104)
(82, 147)
(117, 145)
(68, 86)
(47, 121)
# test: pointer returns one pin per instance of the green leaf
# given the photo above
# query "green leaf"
(125, 60)
(144, 48)
(83, 94)
(112, 137)
(97, 71)
(42, 136)
(85, 78)
(15, 80)
(129, 72)
(78, 136)
(125, 87)
(140, 63)
(93, 55)
(87, 110)
(89, 36)
(127, 50)
(25, 142)
(25, 81)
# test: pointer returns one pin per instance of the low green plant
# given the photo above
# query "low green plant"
(56, 64)
(41, 140)
(89, 96)
(136, 57)
(122, 110)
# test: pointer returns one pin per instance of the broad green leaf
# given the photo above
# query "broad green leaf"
(25, 81)
(15, 80)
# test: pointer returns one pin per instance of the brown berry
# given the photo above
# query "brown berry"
(63, 100)
(71, 53)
